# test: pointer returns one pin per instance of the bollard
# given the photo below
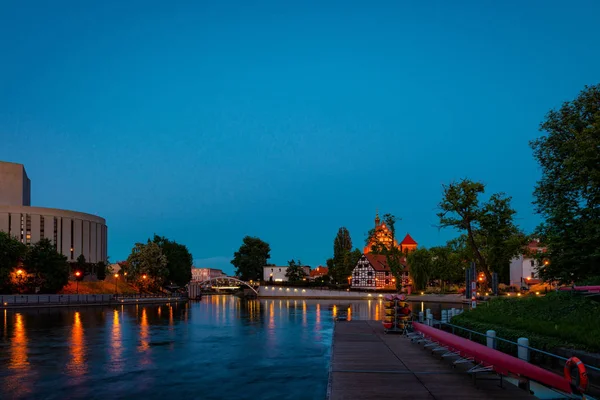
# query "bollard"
(523, 352)
(491, 339)
(421, 318)
(444, 316)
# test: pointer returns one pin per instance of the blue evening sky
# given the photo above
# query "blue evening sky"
(208, 121)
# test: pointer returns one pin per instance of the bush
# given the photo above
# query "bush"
(555, 320)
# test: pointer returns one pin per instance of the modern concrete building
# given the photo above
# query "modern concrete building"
(72, 233)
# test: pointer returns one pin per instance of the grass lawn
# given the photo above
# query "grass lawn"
(554, 320)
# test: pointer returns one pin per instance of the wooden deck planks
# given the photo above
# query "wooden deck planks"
(367, 364)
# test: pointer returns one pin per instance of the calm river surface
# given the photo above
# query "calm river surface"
(219, 348)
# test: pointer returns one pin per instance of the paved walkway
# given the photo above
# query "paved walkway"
(367, 364)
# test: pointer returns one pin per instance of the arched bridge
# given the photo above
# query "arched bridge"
(224, 282)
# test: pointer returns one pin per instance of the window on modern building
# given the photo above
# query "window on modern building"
(271, 269)
(279, 269)
(387, 273)
(41, 227)
(369, 282)
(387, 281)
(356, 274)
(370, 273)
(533, 274)
(356, 282)
(532, 263)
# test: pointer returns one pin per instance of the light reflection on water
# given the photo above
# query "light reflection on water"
(270, 349)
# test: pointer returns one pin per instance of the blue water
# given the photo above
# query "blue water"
(222, 347)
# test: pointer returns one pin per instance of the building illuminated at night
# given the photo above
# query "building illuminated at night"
(72, 233)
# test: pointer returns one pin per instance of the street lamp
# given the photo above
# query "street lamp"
(19, 272)
(77, 275)
(116, 277)
(144, 278)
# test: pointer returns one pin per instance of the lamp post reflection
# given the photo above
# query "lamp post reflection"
(78, 365)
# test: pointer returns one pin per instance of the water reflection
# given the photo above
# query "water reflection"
(77, 366)
(116, 344)
(18, 359)
(275, 348)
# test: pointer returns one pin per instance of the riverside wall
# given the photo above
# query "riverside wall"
(310, 293)
(67, 300)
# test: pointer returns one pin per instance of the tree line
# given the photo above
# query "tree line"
(567, 197)
(40, 268)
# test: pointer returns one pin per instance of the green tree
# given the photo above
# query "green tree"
(101, 270)
(12, 252)
(383, 243)
(46, 269)
(295, 272)
(179, 260)
(491, 235)
(568, 193)
(81, 265)
(251, 258)
(149, 260)
(421, 267)
(340, 266)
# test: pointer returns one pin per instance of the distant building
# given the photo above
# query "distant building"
(272, 273)
(373, 272)
(383, 236)
(318, 272)
(71, 233)
(204, 274)
(523, 269)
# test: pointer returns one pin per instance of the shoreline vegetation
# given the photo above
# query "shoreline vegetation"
(557, 320)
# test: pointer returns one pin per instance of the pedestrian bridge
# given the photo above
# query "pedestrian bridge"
(195, 288)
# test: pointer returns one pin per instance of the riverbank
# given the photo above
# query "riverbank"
(367, 364)
(557, 320)
(284, 292)
(80, 300)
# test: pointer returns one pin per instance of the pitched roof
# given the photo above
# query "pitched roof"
(319, 271)
(408, 240)
(379, 262)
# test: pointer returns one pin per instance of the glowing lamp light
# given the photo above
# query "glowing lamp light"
(144, 276)
(19, 272)
(380, 295)
(508, 294)
(480, 278)
(369, 295)
(537, 293)
(78, 274)
(528, 278)
(519, 294)
(422, 293)
(116, 275)
(487, 294)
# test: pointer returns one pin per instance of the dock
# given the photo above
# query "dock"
(368, 364)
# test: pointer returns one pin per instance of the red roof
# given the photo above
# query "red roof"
(408, 240)
(379, 262)
(319, 271)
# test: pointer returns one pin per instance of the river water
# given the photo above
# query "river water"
(219, 348)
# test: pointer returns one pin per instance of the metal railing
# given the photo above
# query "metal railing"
(508, 342)
(30, 300)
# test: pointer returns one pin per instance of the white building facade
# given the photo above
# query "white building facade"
(72, 233)
(524, 269)
(204, 274)
(272, 273)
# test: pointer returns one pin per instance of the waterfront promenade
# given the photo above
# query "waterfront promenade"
(368, 364)
(71, 300)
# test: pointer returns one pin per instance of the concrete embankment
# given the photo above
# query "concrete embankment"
(80, 300)
(310, 293)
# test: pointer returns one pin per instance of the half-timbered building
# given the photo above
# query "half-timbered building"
(373, 272)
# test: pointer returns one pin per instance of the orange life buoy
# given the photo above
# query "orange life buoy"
(581, 383)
